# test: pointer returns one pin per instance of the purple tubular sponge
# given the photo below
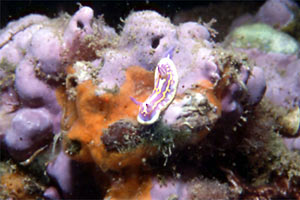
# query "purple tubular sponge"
(30, 130)
(75, 180)
(35, 47)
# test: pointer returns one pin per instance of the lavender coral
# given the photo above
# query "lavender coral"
(40, 55)
(39, 113)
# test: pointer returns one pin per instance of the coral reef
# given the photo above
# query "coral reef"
(264, 38)
(285, 8)
(38, 115)
(279, 109)
(211, 125)
(280, 14)
(18, 185)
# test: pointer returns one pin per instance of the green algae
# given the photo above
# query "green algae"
(263, 37)
(9, 70)
(293, 27)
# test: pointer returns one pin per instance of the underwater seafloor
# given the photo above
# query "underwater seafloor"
(157, 102)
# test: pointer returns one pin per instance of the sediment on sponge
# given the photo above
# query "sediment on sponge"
(261, 135)
(122, 136)
(7, 75)
(17, 183)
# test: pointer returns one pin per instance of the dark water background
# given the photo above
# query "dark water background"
(224, 11)
(112, 10)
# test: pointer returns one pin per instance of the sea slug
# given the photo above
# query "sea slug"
(165, 86)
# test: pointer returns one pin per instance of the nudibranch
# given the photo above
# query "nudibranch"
(165, 86)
